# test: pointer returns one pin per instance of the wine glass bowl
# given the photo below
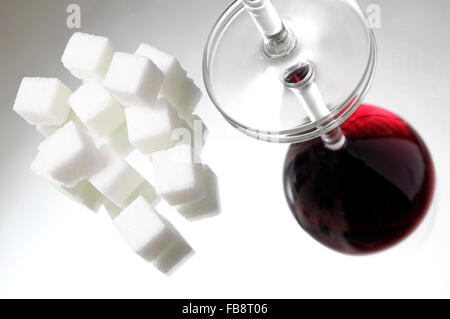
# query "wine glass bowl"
(368, 195)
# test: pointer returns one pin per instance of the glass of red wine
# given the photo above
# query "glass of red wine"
(357, 177)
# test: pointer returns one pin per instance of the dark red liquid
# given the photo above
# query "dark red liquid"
(370, 194)
(298, 74)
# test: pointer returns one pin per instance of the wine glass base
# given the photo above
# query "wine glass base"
(245, 85)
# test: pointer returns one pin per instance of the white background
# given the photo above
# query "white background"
(51, 247)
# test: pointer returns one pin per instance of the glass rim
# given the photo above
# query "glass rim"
(303, 132)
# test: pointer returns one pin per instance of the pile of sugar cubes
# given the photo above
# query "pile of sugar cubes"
(127, 102)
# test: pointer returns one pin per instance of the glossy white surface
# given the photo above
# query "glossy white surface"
(51, 247)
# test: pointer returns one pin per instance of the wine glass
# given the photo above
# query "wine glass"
(357, 177)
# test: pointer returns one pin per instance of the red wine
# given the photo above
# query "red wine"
(298, 75)
(368, 195)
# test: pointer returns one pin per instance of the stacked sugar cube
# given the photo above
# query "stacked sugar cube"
(126, 102)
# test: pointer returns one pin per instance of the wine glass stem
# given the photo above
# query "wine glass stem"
(279, 41)
(334, 140)
(300, 80)
(314, 105)
(265, 16)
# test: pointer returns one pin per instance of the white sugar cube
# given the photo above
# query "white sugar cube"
(37, 167)
(143, 229)
(133, 80)
(117, 180)
(88, 56)
(195, 135)
(173, 256)
(146, 191)
(207, 206)
(174, 75)
(70, 155)
(43, 101)
(118, 140)
(112, 209)
(47, 130)
(96, 108)
(178, 175)
(83, 192)
(187, 98)
(150, 129)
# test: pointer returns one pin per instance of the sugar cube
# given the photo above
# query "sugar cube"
(187, 98)
(173, 256)
(178, 175)
(70, 155)
(144, 230)
(150, 129)
(42, 101)
(37, 167)
(195, 135)
(119, 141)
(47, 130)
(88, 56)
(146, 191)
(117, 180)
(174, 75)
(207, 206)
(96, 108)
(112, 209)
(133, 80)
(83, 192)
